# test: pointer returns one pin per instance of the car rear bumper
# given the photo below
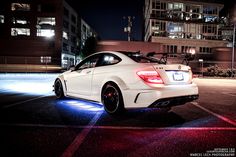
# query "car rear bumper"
(165, 96)
(168, 102)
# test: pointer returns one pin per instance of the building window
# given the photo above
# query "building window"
(73, 40)
(65, 35)
(20, 7)
(45, 26)
(72, 49)
(175, 30)
(84, 29)
(175, 6)
(21, 21)
(210, 10)
(2, 19)
(46, 59)
(65, 47)
(45, 32)
(48, 8)
(205, 50)
(66, 12)
(44, 21)
(209, 29)
(208, 18)
(174, 27)
(73, 29)
(159, 28)
(186, 49)
(20, 32)
(170, 49)
(66, 24)
(73, 19)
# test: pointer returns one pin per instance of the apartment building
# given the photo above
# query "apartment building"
(182, 25)
(38, 35)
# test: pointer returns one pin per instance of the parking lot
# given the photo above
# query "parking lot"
(34, 123)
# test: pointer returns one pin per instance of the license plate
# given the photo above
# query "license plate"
(178, 77)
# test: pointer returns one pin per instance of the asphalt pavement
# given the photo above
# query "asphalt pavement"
(36, 124)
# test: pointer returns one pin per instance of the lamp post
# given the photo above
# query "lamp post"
(128, 29)
(232, 66)
(201, 61)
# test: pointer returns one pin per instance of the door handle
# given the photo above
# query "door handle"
(88, 72)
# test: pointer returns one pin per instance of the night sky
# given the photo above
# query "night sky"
(106, 16)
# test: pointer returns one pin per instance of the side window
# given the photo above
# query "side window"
(88, 63)
(108, 59)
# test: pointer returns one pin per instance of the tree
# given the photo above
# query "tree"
(89, 46)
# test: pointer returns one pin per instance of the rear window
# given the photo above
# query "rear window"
(139, 58)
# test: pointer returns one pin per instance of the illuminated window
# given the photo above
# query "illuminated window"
(175, 6)
(186, 49)
(45, 33)
(1, 18)
(65, 35)
(174, 27)
(45, 26)
(20, 32)
(46, 59)
(45, 21)
(20, 7)
(210, 18)
(21, 21)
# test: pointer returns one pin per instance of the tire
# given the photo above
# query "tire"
(112, 99)
(58, 89)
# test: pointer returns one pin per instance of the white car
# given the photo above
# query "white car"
(127, 80)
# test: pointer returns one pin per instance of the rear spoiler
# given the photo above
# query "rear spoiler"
(187, 57)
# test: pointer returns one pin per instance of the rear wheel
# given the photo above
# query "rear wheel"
(112, 99)
(58, 89)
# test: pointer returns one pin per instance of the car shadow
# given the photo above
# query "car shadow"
(143, 118)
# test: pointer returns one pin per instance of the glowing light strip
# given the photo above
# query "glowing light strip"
(81, 105)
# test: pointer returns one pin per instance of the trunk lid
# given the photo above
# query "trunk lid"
(174, 74)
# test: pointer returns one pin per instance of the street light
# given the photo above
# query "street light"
(201, 61)
(234, 23)
(128, 29)
(232, 65)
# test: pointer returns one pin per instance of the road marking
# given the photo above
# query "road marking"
(71, 149)
(22, 102)
(215, 114)
(121, 127)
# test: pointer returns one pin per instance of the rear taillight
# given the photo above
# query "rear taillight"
(150, 77)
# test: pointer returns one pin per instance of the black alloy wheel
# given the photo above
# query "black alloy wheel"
(58, 89)
(112, 99)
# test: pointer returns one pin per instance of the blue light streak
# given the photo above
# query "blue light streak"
(80, 105)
